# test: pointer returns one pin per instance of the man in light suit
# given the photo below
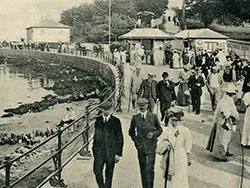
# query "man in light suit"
(147, 90)
(144, 130)
(107, 145)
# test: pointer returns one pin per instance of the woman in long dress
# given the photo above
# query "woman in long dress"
(176, 60)
(246, 130)
(223, 125)
(184, 75)
(175, 162)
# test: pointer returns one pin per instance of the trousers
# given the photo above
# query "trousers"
(147, 163)
(99, 163)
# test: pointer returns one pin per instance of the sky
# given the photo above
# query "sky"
(16, 15)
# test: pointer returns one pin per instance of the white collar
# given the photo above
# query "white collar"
(106, 117)
(143, 114)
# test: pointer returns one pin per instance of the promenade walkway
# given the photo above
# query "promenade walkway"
(205, 171)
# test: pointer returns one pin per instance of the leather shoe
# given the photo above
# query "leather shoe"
(229, 154)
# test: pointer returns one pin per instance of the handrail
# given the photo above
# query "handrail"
(84, 132)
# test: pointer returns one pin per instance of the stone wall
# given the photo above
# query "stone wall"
(89, 66)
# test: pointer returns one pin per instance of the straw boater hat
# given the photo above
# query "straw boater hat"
(231, 88)
(150, 74)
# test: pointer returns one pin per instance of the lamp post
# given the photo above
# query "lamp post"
(109, 22)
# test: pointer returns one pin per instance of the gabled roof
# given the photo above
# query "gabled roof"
(204, 33)
(146, 33)
(49, 24)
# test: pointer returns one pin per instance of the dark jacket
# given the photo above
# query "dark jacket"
(164, 92)
(108, 136)
(192, 83)
(139, 129)
(146, 88)
(246, 83)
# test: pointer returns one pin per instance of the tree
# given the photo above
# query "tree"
(156, 6)
(223, 11)
(90, 21)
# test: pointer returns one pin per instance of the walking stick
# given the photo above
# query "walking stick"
(130, 94)
(157, 106)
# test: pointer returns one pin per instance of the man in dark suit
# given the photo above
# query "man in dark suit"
(147, 90)
(166, 95)
(144, 130)
(107, 146)
(195, 84)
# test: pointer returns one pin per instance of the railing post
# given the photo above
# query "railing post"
(84, 152)
(7, 172)
(57, 180)
(59, 153)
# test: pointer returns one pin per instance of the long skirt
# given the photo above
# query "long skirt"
(182, 99)
(246, 130)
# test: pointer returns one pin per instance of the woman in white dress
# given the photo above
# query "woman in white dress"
(176, 60)
(175, 161)
(246, 130)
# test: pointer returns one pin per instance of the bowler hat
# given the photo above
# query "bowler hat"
(164, 75)
(106, 105)
(142, 101)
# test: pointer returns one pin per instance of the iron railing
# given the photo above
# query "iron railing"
(84, 129)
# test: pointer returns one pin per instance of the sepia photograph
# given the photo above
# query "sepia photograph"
(125, 94)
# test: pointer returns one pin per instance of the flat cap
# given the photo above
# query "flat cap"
(142, 101)
(106, 105)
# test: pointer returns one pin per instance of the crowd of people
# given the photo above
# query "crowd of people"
(226, 80)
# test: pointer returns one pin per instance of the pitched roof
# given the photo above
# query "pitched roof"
(49, 24)
(146, 33)
(203, 33)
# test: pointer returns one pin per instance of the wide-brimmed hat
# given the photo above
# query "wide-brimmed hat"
(142, 102)
(175, 113)
(230, 88)
(246, 98)
(215, 68)
(150, 74)
(106, 105)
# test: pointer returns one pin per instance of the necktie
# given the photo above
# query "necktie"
(142, 116)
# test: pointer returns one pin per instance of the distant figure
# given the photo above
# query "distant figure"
(176, 60)
(195, 84)
(166, 95)
(107, 145)
(214, 83)
(148, 90)
(184, 76)
(69, 117)
(134, 86)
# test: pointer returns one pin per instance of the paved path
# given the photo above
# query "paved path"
(205, 172)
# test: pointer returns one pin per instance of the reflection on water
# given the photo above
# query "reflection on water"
(17, 89)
